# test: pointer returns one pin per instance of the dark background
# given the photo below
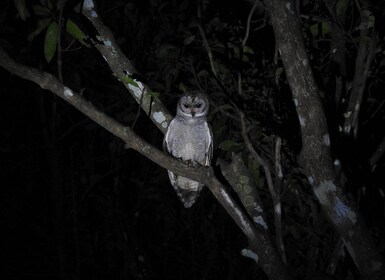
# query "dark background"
(76, 205)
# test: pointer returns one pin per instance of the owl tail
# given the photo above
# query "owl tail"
(187, 197)
(187, 190)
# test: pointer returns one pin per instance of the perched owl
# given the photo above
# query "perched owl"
(189, 138)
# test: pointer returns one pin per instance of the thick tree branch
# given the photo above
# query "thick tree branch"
(241, 180)
(339, 208)
(267, 257)
(123, 70)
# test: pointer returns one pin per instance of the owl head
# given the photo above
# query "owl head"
(193, 105)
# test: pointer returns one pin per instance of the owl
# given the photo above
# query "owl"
(189, 138)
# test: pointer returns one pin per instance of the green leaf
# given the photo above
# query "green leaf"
(41, 25)
(278, 73)
(215, 21)
(314, 29)
(189, 40)
(245, 58)
(22, 9)
(49, 4)
(50, 43)
(153, 94)
(182, 87)
(75, 32)
(325, 29)
(216, 24)
(129, 80)
(248, 50)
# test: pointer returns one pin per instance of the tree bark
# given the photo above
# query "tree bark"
(315, 155)
(124, 70)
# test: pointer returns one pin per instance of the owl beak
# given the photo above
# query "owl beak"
(193, 113)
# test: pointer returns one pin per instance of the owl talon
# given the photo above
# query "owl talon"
(191, 163)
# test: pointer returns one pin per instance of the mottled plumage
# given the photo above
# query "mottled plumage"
(189, 138)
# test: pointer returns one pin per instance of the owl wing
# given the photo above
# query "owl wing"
(167, 141)
(167, 147)
(209, 145)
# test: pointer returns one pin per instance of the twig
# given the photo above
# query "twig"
(206, 43)
(60, 7)
(374, 113)
(260, 6)
(244, 41)
(278, 207)
(198, 83)
(208, 49)
(239, 83)
(138, 111)
(75, 226)
(335, 256)
(377, 155)
(368, 63)
(248, 24)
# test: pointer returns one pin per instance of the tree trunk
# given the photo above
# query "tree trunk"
(315, 155)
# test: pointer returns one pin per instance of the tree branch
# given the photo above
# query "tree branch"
(247, 32)
(208, 50)
(240, 179)
(123, 70)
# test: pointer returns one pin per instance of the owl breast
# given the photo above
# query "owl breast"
(187, 152)
(189, 143)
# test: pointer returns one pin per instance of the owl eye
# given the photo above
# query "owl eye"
(186, 106)
(199, 105)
